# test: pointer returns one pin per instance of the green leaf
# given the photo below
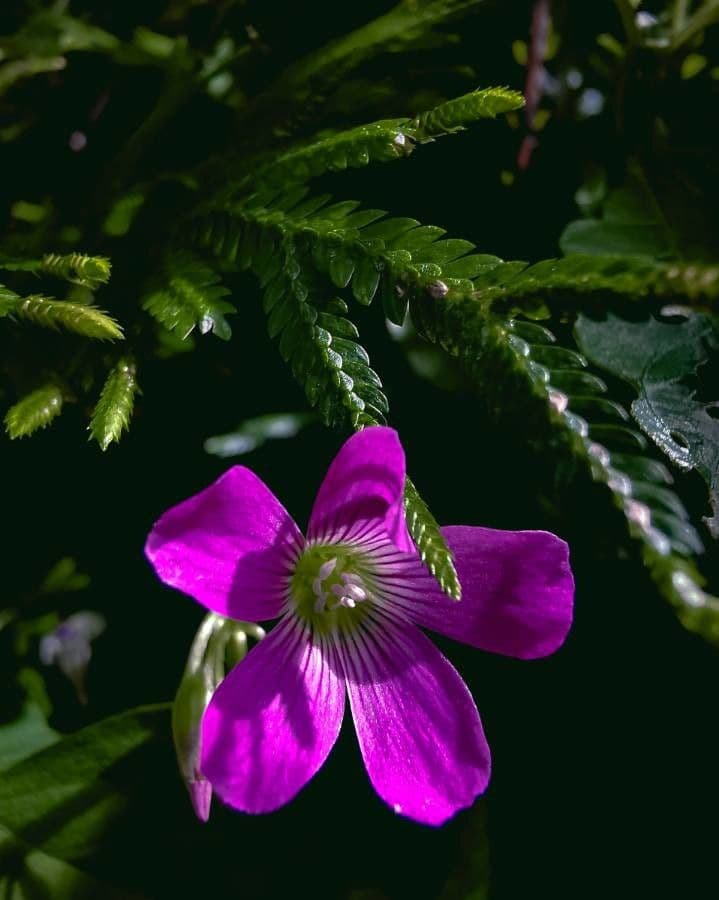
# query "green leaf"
(63, 798)
(655, 214)
(64, 577)
(433, 549)
(29, 874)
(57, 805)
(26, 735)
(632, 224)
(661, 361)
(607, 237)
(114, 408)
(122, 213)
(35, 411)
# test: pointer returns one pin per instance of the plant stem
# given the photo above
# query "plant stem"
(702, 18)
(627, 13)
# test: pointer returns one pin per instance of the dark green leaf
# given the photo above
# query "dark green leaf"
(63, 798)
(30, 874)
(662, 360)
(24, 736)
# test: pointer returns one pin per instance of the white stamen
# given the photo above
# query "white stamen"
(355, 591)
(317, 587)
(347, 602)
(351, 578)
(327, 568)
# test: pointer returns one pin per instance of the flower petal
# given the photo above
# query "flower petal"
(361, 496)
(418, 727)
(230, 547)
(273, 721)
(517, 591)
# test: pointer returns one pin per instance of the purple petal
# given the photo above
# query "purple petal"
(230, 547)
(272, 722)
(361, 495)
(517, 591)
(418, 727)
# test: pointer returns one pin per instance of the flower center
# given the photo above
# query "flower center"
(332, 586)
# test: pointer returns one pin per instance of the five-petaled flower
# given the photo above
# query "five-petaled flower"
(351, 598)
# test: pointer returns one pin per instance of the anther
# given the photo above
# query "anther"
(351, 578)
(327, 568)
(355, 592)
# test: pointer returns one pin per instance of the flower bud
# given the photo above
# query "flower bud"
(218, 645)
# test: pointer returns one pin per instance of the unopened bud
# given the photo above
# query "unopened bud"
(191, 701)
(218, 645)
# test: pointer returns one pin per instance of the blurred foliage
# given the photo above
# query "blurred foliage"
(181, 163)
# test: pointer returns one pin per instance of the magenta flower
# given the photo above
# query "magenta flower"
(351, 599)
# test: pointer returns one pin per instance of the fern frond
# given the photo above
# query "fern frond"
(365, 250)
(405, 27)
(50, 313)
(355, 248)
(521, 360)
(112, 413)
(35, 411)
(376, 142)
(578, 278)
(319, 345)
(433, 549)
(189, 296)
(78, 268)
(456, 114)
(383, 141)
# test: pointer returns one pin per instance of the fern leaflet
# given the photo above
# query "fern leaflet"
(189, 296)
(114, 408)
(50, 313)
(78, 268)
(433, 549)
(456, 114)
(35, 411)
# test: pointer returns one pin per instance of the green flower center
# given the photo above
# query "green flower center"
(332, 587)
